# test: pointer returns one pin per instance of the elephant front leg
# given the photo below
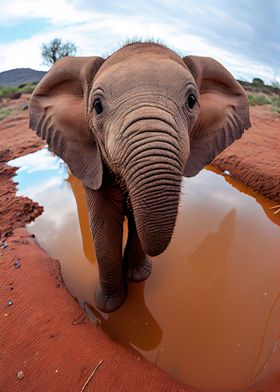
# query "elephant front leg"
(137, 264)
(106, 218)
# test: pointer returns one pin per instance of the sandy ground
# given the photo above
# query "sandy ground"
(46, 341)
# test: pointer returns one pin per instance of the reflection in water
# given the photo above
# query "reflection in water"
(210, 257)
(209, 313)
(78, 191)
(130, 324)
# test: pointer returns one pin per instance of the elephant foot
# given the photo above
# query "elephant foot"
(109, 302)
(139, 272)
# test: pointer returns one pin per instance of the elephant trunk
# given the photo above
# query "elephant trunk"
(152, 171)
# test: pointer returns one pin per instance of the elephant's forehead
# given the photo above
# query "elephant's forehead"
(149, 71)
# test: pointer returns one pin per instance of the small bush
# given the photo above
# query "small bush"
(7, 91)
(258, 82)
(258, 100)
(276, 104)
(4, 112)
(25, 88)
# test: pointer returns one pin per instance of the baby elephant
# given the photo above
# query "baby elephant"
(129, 127)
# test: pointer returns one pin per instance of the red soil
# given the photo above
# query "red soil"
(254, 159)
(15, 140)
(44, 333)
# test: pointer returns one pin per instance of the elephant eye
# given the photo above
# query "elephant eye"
(98, 107)
(191, 101)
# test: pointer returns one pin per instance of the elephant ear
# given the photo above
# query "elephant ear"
(224, 112)
(59, 112)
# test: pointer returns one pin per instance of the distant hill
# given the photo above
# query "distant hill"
(18, 76)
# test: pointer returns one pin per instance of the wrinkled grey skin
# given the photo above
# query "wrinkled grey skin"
(163, 117)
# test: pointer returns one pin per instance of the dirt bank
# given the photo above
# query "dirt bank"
(254, 159)
(15, 140)
(46, 340)
(46, 335)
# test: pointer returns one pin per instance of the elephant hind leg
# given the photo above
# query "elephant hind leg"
(137, 265)
(140, 271)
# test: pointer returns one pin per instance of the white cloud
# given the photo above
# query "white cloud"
(22, 54)
(58, 11)
(98, 33)
(40, 191)
(41, 160)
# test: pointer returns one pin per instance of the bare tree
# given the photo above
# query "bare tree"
(56, 49)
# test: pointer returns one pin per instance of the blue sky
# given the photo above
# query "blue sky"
(244, 35)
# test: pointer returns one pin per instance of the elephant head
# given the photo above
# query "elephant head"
(147, 115)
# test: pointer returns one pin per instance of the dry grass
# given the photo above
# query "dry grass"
(4, 112)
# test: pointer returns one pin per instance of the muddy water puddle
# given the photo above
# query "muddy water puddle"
(210, 312)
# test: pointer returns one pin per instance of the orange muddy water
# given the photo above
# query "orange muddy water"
(209, 313)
